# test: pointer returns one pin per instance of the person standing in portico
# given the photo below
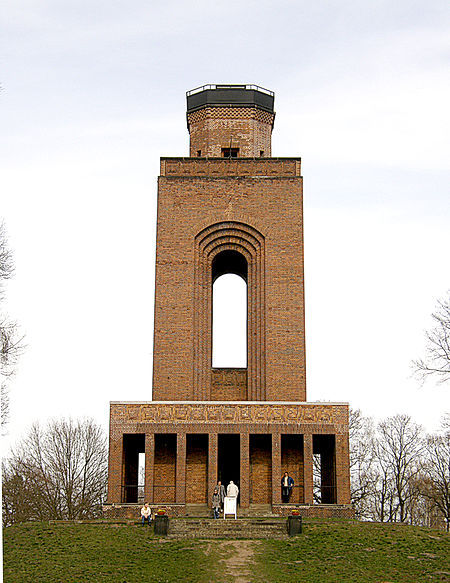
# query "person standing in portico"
(287, 483)
(221, 490)
(216, 503)
(232, 490)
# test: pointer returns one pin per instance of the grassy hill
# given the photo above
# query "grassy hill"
(326, 552)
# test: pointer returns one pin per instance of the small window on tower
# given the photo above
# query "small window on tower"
(230, 152)
(199, 153)
(261, 153)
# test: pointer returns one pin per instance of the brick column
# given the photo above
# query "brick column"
(149, 466)
(276, 468)
(212, 465)
(115, 470)
(245, 470)
(308, 467)
(180, 484)
(342, 469)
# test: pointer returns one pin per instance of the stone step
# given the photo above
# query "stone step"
(200, 510)
(229, 528)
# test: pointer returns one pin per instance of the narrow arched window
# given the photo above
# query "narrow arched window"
(229, 317)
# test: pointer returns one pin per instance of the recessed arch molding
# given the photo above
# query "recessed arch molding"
(249, 242)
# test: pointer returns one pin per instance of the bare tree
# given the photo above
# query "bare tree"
(382, 507)
(11, 344)
(362, 472)
(437, 471)
(437, 360)
(6, 259)
(58, 472)
(399, 449)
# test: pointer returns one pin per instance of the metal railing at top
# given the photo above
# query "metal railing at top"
(212, 86)
(134, 493)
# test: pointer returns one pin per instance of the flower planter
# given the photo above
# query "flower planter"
(161, 524)
(294, 525)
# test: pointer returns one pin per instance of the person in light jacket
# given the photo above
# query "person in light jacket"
(232, 490)
(146, 514)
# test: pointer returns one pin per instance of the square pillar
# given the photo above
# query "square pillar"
(180, 484)
(245, 470)
(342, 469)
(149, 466)
(308, 468)
(212, 465)
(276, 468)
(115, 469)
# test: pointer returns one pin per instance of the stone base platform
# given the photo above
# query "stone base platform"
(132, 511)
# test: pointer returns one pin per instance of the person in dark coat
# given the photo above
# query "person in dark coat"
(221, 489)
(287, 483)
(216, 503)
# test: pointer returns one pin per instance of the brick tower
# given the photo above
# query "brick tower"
(229, 208)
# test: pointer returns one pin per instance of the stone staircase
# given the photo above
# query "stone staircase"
(254, 510)
(245, 528)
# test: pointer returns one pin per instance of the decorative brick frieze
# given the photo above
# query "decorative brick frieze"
(229, 413)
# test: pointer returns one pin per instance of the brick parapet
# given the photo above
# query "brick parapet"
(316, 510)
(210, 168)
(133, 511)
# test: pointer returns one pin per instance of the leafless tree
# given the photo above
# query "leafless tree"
(58, 472)
(6, 259)
(11, 343)
(382, 503)
(437, 360)
(400, 446)
(362, 461)
(437, 472)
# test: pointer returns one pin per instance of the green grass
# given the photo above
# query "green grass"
(349, 551)
(82, 553)
(326, 552)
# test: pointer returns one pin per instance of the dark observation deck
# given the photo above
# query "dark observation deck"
(230, 96)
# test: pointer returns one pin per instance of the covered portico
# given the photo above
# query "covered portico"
(188, 446)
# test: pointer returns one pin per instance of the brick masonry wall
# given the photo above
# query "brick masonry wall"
(196, 469)
(316, 510)
(229, 384)
(260, 469)
(214, 128)
(133, 511)
(292, 462)
(164, 476)
(291, 420)
(272, 206)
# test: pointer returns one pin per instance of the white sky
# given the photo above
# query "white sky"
(94, 93)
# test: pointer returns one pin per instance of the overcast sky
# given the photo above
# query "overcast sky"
(94, 93)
